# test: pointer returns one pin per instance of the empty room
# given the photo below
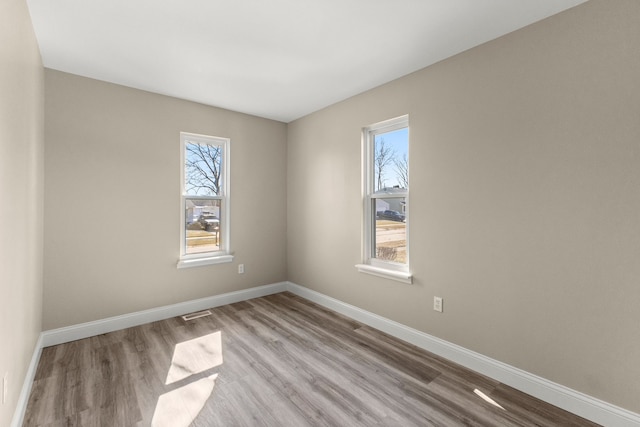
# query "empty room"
(320, 213)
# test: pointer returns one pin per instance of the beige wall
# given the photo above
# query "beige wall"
(112, 200)
(524, 203)
(21, 174)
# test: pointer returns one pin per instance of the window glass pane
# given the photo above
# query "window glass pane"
(391, 160)
(202, 225)
(203, 169)
(390, 237)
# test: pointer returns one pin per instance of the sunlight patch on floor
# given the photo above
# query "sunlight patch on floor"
(181, 406)
(195, 356)
(488, 399)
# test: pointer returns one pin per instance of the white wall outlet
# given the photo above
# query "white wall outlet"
(437, 304)
(5, 387)
(240, 268)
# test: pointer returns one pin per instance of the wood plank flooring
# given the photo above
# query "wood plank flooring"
(279, 360)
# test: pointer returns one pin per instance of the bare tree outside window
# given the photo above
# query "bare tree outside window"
(203, 169)
(383, 156)
(402, 171)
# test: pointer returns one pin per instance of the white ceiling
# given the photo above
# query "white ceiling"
(279, 59)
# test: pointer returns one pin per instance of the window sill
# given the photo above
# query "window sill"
(198, 262)
(400, 276)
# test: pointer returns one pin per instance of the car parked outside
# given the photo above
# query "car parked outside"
(209, 222)
(391, 215)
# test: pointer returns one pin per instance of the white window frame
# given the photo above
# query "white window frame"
(372, 265)
(222, 255)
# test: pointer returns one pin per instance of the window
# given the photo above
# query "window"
(386, 191)
(204, 236)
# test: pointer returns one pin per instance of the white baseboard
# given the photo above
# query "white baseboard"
(558, 395)
(90, 329)
(23, 399)
(573, 401)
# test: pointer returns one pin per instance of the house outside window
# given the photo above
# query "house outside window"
(386, 195)
(204, 222)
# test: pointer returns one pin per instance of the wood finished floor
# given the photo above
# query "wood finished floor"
(279, 360)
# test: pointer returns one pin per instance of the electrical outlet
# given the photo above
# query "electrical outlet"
(437, 304)
(240, 268)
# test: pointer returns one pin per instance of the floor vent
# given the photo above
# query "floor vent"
(196, 315)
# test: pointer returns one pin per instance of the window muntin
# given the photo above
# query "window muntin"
(386, 178)
(205, 196)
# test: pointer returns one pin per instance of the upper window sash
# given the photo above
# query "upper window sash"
(221, 187)
(370, 134)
